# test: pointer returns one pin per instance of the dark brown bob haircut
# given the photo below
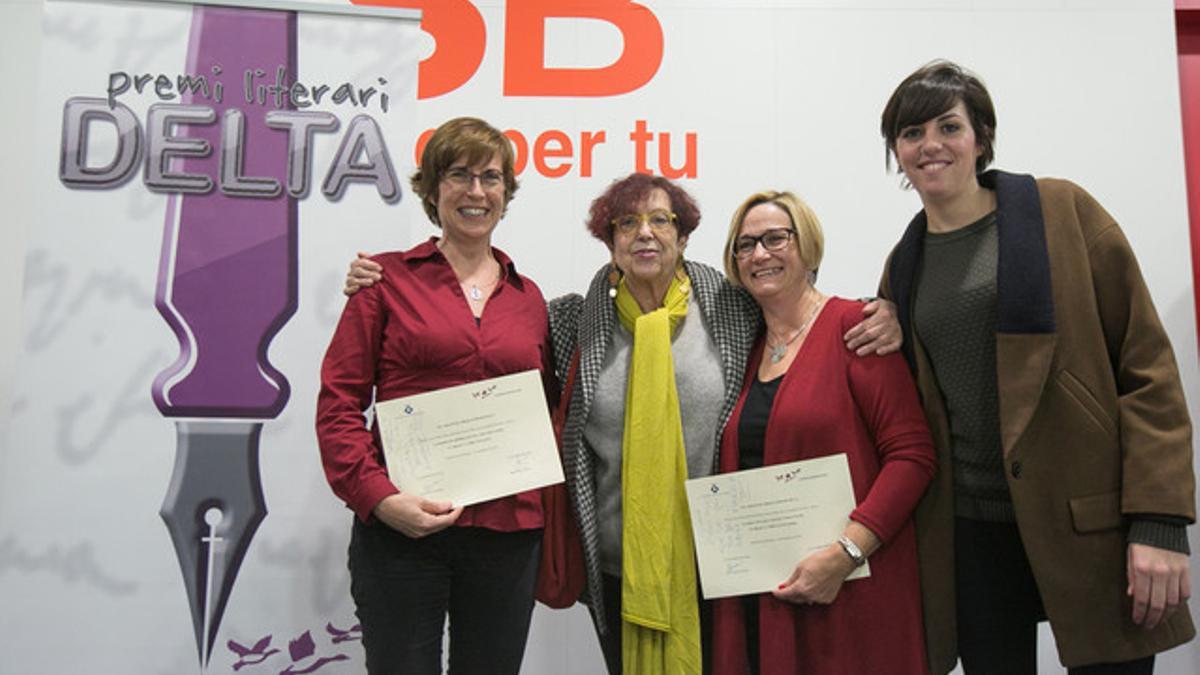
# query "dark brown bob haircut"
(932, 90)
(622, 195)
(463, 138)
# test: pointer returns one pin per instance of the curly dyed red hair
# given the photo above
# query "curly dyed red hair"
(622, 195)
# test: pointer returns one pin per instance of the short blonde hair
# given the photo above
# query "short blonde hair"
(810, 240)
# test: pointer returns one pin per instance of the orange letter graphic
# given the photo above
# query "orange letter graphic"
(525, 73)
(460, 37)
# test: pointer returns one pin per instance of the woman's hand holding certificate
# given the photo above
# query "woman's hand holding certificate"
(819, 576)
(415, 516)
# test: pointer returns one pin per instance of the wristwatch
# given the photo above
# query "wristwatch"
(853, 551)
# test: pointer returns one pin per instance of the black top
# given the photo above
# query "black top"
(752, 428)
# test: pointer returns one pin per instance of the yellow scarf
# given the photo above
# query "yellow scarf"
(660, 631)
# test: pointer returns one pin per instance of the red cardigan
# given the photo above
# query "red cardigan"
(832, 401)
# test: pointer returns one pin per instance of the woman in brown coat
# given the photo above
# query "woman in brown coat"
(1064, 447)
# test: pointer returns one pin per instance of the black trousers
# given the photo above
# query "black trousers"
(404, 588)
(610, 643)
(999, 605)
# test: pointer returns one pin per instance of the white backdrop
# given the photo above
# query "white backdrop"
(775, 93)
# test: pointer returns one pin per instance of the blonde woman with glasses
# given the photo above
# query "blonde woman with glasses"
(805, 396)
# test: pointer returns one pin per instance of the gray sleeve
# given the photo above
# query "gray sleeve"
(1165, 532)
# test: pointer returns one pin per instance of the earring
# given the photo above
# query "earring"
(614, 278)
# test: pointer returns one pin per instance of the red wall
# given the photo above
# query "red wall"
(1187, 27)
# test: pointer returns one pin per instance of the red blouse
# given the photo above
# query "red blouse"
(831, 401)
(413, 332)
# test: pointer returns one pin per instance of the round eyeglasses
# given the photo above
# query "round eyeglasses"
(658, 219)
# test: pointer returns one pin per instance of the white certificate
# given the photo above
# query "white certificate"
(472, 442)
(752, 527)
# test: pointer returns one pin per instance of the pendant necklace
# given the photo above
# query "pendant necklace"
(778, 351)
(476, 293)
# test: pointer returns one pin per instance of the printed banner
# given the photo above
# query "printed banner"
(196, 146)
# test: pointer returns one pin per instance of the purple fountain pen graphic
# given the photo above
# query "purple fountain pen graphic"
(226, 285)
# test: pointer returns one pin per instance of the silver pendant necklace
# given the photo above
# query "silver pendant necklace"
(476, 293)
(780, 350)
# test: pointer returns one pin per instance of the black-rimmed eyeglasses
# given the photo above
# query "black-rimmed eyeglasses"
(775, 239)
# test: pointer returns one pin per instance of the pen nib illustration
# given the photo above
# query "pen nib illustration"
(212, 509)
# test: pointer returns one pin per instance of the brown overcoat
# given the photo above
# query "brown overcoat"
(1093, 420)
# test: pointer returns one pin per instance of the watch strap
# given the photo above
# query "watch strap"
(853, 551)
